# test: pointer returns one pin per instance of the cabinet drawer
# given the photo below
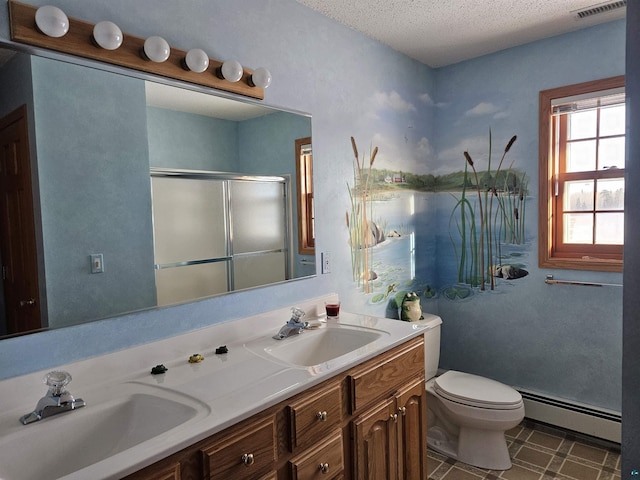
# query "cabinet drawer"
(247, 454)
(313, 416)
(383, 376)
(323, 461)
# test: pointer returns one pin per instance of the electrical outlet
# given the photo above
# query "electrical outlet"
(97, 263)
(326, 262)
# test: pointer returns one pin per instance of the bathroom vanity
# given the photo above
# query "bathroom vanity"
(365, 423)
(344, 399)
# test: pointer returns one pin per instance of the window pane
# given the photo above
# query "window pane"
(578, 228)
(578, 195)
(582, 186)
(611, 153)
(583, 124)
(581, 156)
(612, 120)
(610, 228)
(610, 194)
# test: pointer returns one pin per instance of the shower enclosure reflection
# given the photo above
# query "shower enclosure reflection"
(216, 233)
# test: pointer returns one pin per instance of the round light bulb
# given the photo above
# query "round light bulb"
(231, 70)
(52, 21)
(197, 60)
(261, 77)
(156, 49)
(107, 35)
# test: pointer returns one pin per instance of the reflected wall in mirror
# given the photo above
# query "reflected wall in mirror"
(93, 136)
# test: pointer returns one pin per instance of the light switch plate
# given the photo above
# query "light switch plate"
(97, 263)
(326, 262)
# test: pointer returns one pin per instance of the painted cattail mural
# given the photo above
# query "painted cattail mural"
(359, 219)
(479, 228)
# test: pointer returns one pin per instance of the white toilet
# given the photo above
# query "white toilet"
(467, 415)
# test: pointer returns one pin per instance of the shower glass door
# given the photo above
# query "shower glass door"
(215, 233)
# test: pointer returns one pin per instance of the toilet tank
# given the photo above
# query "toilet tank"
(431, 343)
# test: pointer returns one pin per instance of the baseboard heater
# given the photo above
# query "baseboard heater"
(595, 422)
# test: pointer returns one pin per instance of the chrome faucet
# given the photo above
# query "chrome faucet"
(294, 326)
(57, 400)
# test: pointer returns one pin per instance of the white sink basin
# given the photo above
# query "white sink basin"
(315, 347)
(59, 445)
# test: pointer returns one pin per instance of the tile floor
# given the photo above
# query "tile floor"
(538, 452)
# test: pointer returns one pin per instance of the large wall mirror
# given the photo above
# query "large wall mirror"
(93, 137)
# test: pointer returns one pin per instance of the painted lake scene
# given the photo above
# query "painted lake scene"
(474, 219)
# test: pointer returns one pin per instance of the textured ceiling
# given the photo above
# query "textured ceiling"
(443, 32)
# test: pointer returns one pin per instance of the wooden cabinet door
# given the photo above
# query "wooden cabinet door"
(375, 435)
(412, 441)
(18, 250)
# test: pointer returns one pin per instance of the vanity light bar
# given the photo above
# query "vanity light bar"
(147, 55)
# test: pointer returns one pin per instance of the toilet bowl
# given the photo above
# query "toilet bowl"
(467, 415)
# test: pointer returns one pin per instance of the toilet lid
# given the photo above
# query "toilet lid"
(476, 391)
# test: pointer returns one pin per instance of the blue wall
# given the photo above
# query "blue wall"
(297, 47)
(559, 340)
(421, 119)
(196, 142)
(95, 144)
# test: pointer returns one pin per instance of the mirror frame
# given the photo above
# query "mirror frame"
(145, 76)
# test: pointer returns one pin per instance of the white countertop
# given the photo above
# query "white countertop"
(225, 389)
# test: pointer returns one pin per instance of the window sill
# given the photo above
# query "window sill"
(589, 263)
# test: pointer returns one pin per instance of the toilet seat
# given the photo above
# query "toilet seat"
(476, 391)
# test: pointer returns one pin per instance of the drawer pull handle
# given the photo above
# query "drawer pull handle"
(394, 417)
(322, 416)
(402, 411)
(248, 459)
(324, 467)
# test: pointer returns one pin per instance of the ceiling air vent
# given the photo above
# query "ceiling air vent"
(602, 8)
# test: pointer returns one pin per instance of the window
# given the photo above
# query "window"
(582, 160)
(304, 184)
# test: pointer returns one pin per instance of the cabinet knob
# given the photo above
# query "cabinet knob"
(322, 416)
(394, 417)
(27, 303)
(402, 411)
(324, 467)
(248, 459)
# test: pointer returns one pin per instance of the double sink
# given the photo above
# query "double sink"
(131, 420)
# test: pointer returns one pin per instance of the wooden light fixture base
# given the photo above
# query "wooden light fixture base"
(79, 41)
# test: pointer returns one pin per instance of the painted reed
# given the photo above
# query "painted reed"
(357, 219)
(482, 218)
(480, 246)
